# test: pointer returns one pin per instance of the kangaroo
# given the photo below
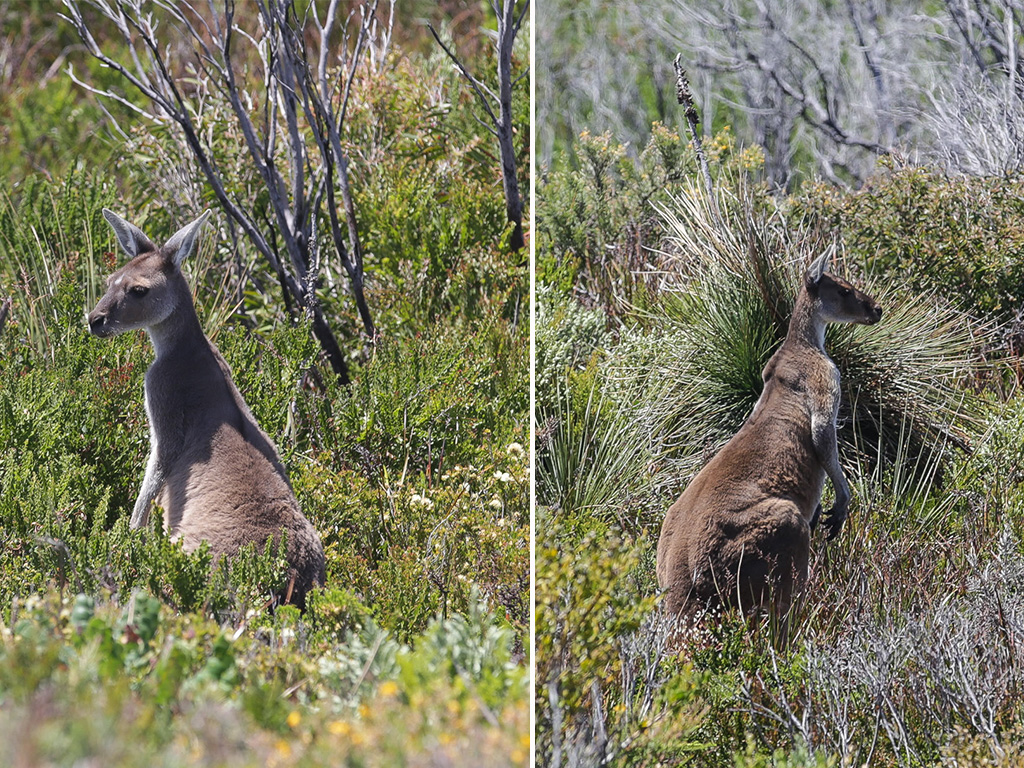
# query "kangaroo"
(740, 533)
(211, 468)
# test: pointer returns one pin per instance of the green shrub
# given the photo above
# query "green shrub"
(251, 695)
(566, 338)
(799, 757)
(958, 237)
(409, 477)
(51, 238)
(598, 227)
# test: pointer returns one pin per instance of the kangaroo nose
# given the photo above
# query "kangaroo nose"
(96, 323)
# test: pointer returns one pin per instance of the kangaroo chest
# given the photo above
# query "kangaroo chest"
(826, 393)
(186, 406)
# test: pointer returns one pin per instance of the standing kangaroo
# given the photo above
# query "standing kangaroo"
(740, 533)
(211, 468)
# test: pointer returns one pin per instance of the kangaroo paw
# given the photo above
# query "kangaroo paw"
(834, 520)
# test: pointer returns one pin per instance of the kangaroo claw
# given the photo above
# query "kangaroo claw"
(834, 520)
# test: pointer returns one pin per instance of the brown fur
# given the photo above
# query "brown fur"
(211, 468)
(740, 533)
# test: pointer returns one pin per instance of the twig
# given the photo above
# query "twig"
(485, 710)
(4, 309)
(685, 97)
(479, 87)
(369, 662)
(500, 125)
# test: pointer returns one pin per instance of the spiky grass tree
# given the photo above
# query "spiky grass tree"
(686, 371)
(906, 382)
(591, 459)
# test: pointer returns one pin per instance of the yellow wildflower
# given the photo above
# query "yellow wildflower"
(339, 728)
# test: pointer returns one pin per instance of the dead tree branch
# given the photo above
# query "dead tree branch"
(5, 308)
(500, 124)
(298, 100)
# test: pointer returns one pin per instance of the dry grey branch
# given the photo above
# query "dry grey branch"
(5, 308)
(822, 89)
(297, 100)
(500, 124)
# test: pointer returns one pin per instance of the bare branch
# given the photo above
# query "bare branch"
(290, 107)
(110, 95)
(519, 19)
(501, 124)
(521, 76)
(478, 87)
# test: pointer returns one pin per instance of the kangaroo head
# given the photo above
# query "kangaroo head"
(836, 301)
(147, 290)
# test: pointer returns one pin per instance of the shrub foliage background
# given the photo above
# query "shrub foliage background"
(416, 476)
(656, 312)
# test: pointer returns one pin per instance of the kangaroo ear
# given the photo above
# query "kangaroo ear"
(820, 265)
(131, 238)
(183, 241)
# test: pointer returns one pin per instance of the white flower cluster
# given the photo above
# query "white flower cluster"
(421, 501)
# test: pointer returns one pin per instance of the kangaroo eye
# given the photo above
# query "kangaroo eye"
(138, 290)
(844, 291)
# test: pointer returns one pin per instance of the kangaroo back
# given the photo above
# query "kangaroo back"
(740, 532)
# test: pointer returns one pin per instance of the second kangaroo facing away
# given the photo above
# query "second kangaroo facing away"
(740, 533)
(214, 472)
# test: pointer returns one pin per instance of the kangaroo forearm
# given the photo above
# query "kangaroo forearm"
(842, 488)
(140, 514)
(150, 487)
(823, 436)
(828, 455)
